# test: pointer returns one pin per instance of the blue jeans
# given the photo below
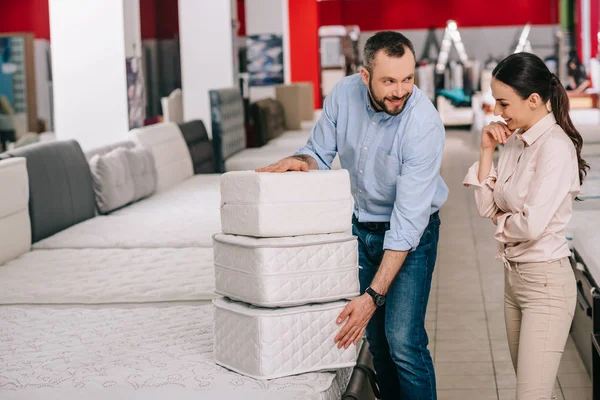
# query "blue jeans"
(396, 333)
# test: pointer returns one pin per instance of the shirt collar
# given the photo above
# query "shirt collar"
(537, 130)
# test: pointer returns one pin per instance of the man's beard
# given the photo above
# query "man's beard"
(381, 101)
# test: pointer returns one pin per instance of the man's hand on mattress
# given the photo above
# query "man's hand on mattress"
(358, 314)
(295, 163)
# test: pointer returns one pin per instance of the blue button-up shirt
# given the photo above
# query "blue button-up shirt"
(394, 161)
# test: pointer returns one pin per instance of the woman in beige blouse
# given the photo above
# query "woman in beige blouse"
(529, 197)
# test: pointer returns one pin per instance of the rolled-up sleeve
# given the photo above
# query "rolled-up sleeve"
(552, 182)
(484, 191)
(416, 187)
(322, 144)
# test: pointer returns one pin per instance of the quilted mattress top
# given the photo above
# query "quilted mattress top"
(144, 352)
(100, 276)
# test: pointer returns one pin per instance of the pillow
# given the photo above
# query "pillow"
(113, 184)
(61, 188)
(143, 172)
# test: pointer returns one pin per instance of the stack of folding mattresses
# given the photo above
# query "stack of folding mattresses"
(286, 263)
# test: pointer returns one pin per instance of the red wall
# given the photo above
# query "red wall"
(373, 15)
(159, 19)
(241, 15)
(25, 16)
(304, 58)
(148, 19)
(167, 18)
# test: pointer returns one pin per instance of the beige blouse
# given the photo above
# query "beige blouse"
(535, 183)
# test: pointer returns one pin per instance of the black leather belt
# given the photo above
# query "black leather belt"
(382, 226)
(375, 226)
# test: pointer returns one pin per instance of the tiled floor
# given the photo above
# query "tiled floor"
(465, 316)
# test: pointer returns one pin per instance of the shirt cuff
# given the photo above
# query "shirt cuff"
(472, 177)
(309, 152)
(499, 235)
(396, 241)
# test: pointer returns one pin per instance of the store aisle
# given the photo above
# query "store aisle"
(465, 316)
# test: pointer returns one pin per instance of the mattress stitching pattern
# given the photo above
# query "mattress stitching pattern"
(292, 342)
(130, 349)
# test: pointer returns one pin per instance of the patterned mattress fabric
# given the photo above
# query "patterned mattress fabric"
(143, 352)
(101, 276)
(279, 272)
(286, 204)
(265, 343)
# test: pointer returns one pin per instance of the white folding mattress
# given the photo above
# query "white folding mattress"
(285, 204)
(132, 353)
(280, 272)
(265, 343)
(101, 276)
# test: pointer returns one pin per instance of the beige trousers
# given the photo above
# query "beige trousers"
(539, 303)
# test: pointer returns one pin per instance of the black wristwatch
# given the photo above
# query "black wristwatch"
(379, 299)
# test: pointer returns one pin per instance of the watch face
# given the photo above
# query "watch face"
(380, 301)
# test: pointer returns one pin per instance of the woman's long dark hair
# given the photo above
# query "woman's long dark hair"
(526, 73)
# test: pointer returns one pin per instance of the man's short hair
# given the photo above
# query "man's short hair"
(393, 43)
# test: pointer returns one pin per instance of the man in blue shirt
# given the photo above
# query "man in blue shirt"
(390, 138)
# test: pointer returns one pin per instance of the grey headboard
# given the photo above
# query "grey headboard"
(200, 146)
(229, 134)
(61, 191)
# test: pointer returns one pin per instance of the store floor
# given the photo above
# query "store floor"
(465, 316)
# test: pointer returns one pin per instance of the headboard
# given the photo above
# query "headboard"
(15, 227)
(199, 145)
(228, 132)
(61, 192)
(171, 155)
(172, 107)
(268, 120)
